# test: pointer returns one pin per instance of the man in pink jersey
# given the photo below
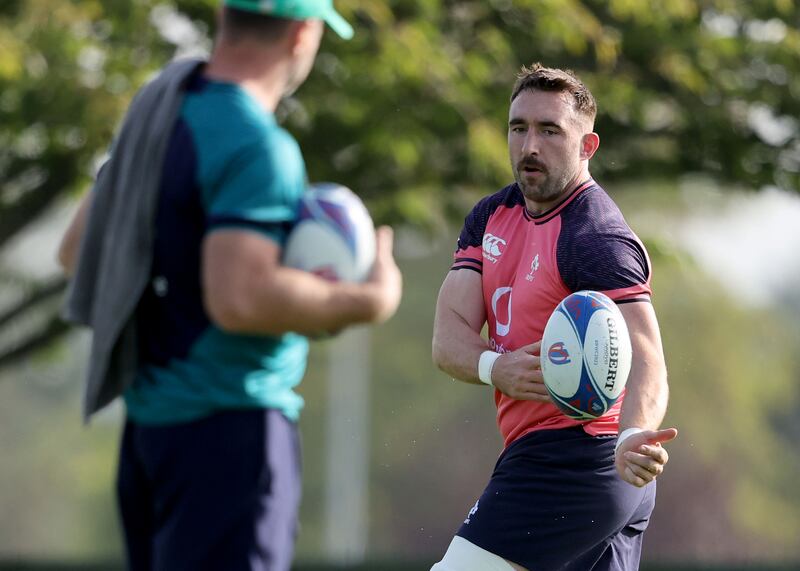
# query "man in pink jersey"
(565, 495)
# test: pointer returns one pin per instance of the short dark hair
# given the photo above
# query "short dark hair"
(538, 77)
(239, 24)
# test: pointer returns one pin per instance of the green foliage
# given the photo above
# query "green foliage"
(682, 86)
(416, 102)
(412, 114)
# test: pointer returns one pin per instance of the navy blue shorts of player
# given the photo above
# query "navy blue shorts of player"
(555, 501)
(211, 494)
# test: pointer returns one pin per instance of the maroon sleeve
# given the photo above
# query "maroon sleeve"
(469, 250)
(598, 251)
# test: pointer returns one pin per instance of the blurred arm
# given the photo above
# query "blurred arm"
(641, 458)
(247, 290)
(69, 248)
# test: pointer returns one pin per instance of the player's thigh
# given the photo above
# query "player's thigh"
(623, 550)
(135, 503)
(553, 497)
(226, 487)
(462, 555)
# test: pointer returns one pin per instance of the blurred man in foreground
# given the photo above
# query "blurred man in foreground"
(176, 260)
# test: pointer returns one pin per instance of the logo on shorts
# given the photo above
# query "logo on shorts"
(492, 247)
(472, 512)
(558, 354)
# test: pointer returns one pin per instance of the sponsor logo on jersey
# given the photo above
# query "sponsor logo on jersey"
(558, 354)
(499, 298)
(492, 247)
(534, 268)
(498, 347)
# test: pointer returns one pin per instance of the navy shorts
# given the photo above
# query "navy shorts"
(220, 493)
(555, 502)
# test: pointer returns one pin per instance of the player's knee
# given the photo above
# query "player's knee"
(463, 555)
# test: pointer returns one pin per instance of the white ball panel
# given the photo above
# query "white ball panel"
(365, 243)
(346, 251)
(607, 352)
(314, 247)
(625, 355)
(561, 356)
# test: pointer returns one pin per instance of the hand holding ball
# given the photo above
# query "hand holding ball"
(586, 355)
(333, 236)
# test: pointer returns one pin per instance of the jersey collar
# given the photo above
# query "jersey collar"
(550, 214)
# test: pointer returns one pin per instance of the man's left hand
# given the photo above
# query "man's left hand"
(641, 458)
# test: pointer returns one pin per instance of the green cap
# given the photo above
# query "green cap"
(298, 10)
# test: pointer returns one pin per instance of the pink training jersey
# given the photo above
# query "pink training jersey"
(529, 263)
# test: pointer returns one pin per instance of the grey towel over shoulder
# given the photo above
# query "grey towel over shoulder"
(113, 267)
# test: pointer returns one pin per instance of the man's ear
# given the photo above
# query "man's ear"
(304, 35)
(590, 142)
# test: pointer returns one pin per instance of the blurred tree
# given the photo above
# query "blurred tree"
(682, 86)
(67, 72)
(412, 111)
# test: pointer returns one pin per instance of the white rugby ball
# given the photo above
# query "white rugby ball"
(333, 235)
(586, 355)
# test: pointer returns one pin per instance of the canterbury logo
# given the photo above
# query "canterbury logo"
(492, 246)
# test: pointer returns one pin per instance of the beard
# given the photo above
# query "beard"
(548, 186)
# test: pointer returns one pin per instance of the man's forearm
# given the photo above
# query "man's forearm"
(300, 302)
(457, 348)
(460, 315)
(646, 398)
(647, 391)
(460, 360)
(246, 289)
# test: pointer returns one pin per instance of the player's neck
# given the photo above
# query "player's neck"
(264, 75)
(536, 208)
